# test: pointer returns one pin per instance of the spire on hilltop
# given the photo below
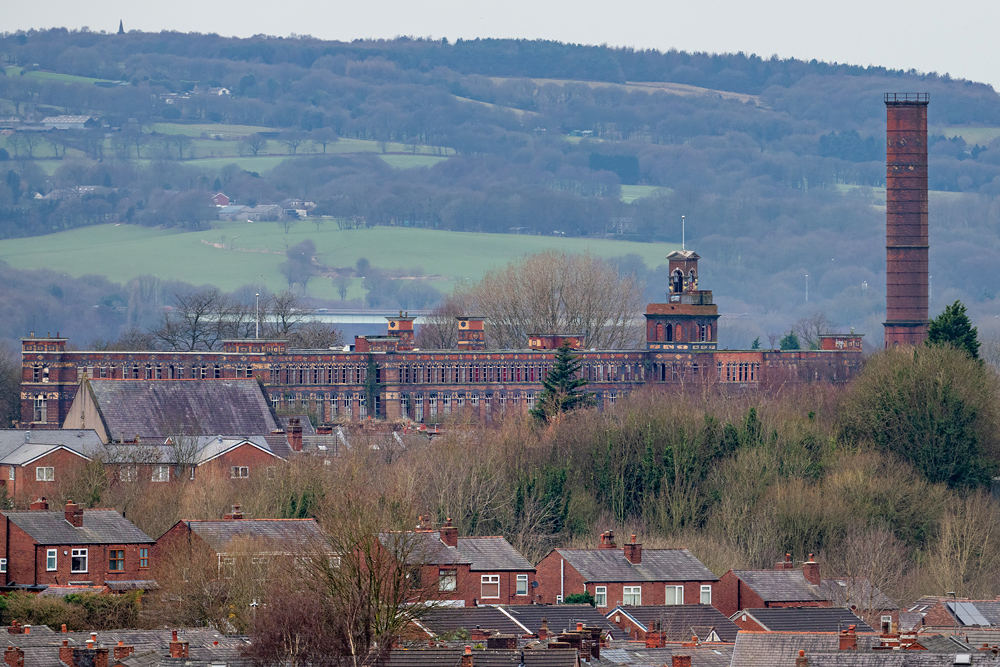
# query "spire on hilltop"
(121, 27)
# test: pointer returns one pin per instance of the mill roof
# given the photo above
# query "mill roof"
(155, 410)
(598, 565)
(781, 585)
(677, 621)
(100, 526)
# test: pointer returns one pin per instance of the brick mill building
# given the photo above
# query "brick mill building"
(424, 385)
(629, 575)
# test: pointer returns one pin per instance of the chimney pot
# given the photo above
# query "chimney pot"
(64, 629)
(175, 635)
(468, 650)
(579, 627)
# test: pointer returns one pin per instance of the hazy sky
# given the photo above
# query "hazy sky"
(958, 37)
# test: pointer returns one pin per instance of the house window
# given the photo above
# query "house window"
(522, 584)
(3, 564)
(706, 595)
(128, 473)
(51, 560)
(116, 560)
(45, 474)
(447, 580)
(144, 557)
(239, 472)
(78, 561)
(600, 596)
(10, 473)
(886, 622)
(675, 595)
(632, 595)
(490, 586)
(161, 473)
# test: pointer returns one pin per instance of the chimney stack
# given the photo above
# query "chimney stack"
(801, 660)
(607, 540)
(680, 661)
(178, 649)
(235, 515)
(785, 564)
(74, 515)
(449, 534)
(295, 434)
(633, 552)
(121, 651)
(66, 653)
(543, 632)
(810, 570)
(848, 639)
(906, 227)
(14, 657)
(467, 657)
(40, 504)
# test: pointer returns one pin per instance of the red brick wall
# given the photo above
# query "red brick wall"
(25, 487)
(653, 592)
(732, 595)
(245, 455)
(746, 622)
(26, 560)
(632, 629)
(547, 574)
(469, 585)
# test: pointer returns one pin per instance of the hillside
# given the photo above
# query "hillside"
(776, 163)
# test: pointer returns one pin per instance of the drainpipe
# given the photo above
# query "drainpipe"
(562, 593)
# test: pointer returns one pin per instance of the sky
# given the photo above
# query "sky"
(958, 37)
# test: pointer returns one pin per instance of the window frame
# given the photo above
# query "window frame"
(160, 473)
(600, 596)
(83, 554)
(447, 580)
(45, 473)
(705, 588)
(489, 580)
(678, 592)
(634, 593)
(143, 558)
(521, 578)
(3, 565)
(51, 560)
(116, 557)
(239, 472)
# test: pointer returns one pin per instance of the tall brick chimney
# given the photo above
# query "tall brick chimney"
(235, 515)
(14, 657)
(467, 657)
(40, 504)
(295, 434)
(906, 229)
(178, 649)
(810, 570)
(607, 540)
(680, 661)
(633, 552)
(121, 651)
(66, 653)
(543, 632)
(449, 534)
(74, 515)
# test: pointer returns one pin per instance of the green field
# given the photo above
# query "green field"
(51, 76)
(237, 253)
(632, 192)
(408, 161)
(972, 135)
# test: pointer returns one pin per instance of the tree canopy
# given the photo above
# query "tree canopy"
(953, 327)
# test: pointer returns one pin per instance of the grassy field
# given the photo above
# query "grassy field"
(632, 192)
(237, 253)
(51, 76)
(398, 161)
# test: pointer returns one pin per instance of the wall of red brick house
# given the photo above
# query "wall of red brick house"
(632, 629)
(255, 459)
(731, 595)
(938, 616)
(548, 577)
(653, 592)
(177, 540)
(27, 561)
(746, 622)
(25, 487)
(469, 585)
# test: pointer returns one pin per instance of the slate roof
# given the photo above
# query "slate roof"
(154, 410)
(491, 553)
(779, 649)
(678, 621)
(295, 534)
(422, 546)
(780, 585)
(63, 591)
(858, 592)
(99, 527)
(717, 655)
(19, 445)
(186, 450)
(452, 657)
(610, 565)
(560, 617)
(806, 619)
(449, 619)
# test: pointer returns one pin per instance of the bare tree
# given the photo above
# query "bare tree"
(10, 385)
(323, 136)
(315, 336)
(252, 145)
(195, 322)
(553, 292)
(809, 329)
(292, 140)
(284, 312)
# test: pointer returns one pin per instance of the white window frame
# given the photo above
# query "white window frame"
(886, 618)
(3, 565)
(51, 560)
(600, 596)
(161, 473)
(706, 594)
(128, 473)
(447, 580)
(10, 473)
(75, 554)
(522, 585)
(674, 592)
(489, 580)
(632, 595)
(45, 474)
(239, 472)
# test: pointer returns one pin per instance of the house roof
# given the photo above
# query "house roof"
(99, 527)
(858, 592)
(599, 565)
(81, 441)
(678, 621)
(293, 534)
(560, 617)
(452, 657)
(449, 619)
(806, 619)
(779, 649)
(187, 450)
(491, 553)
(717, 655)
(154, 410)
(422, 546)
(780, 585)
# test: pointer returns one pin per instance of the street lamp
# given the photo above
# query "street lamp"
(257, 318)
(807, 288)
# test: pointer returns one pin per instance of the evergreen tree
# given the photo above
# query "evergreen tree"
(953, 327)
(790, 342)
(561, 387)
